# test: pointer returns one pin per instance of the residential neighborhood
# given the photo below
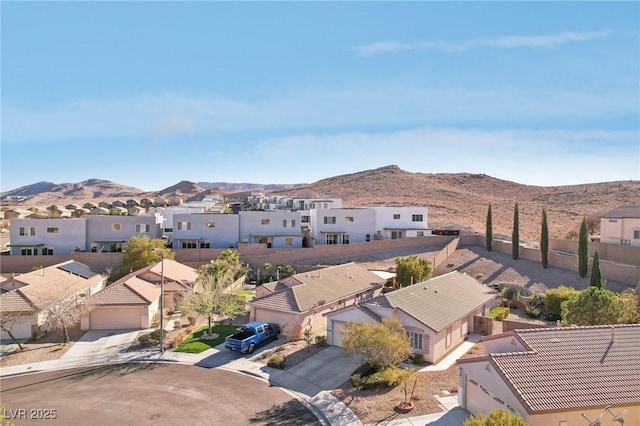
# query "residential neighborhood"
(442, 317)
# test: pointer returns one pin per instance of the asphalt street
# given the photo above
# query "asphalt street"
(145, 393)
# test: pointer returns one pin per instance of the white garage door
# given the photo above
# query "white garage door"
(336, 334)
(115, 318)
(21, 329)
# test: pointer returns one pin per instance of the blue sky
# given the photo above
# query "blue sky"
(150, 93)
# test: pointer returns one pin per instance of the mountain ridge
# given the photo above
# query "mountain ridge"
(454, 200)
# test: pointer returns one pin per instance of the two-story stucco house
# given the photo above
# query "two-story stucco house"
(400, 222)
(204, 230)
(621, 226)
(342, 226)
(276, 229)
(110, 233)
(33, 237)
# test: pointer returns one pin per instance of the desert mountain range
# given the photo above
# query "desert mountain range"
(455, 200)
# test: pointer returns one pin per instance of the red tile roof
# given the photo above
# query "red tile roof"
(573, 367)
(133, 291)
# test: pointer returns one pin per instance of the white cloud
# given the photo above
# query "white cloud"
(503, 42)
(172, 115)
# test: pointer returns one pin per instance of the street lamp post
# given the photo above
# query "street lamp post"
(162, 302)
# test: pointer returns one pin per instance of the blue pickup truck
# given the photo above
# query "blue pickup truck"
(252, 335)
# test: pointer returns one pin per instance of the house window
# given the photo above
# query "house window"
(345, 238)
(288, 241)
(636, 235)
(47, 251)
(348, 218)
(189, 244)
(396, 216)
(265, 221)
(329, 220)
(143, 228)
(420, 234)
(28, 252)
(205, 244)
(396, 235)
(326, 205)
(53, 230)
(331, 239)
(26, 231)
(116, 227)
(417, 218)
(625, 242)
(341, 304)
(367, 237)
(288, 223)
(613, 220)
(305, 219)
(415, 339)
(184, 226)
(210, 225)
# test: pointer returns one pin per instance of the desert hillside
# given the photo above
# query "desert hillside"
(457, 201)
(460, 200)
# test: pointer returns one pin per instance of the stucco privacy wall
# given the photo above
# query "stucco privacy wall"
(258, 254)
(626, 273)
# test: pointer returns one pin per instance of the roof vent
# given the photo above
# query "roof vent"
(613, 334)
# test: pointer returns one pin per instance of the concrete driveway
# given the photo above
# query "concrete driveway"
(101, 343)
(324, 371)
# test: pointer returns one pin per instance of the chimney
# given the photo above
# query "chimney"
(613, 334)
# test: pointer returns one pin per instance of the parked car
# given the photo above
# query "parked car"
(252, 335)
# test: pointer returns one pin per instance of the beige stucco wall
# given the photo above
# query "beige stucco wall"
(631, 417)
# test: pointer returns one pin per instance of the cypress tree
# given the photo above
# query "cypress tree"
(489, 231)
(515, 235)
(596, 277)
(544, 241)
(583, 250)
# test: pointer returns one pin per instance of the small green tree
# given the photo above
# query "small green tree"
(596, 277)
(213, 294)
(544, 241)
(489, 229)
(553, 299)
(412, 269)
(497, 417)
(141, 252)
(510, 294)
(583, 249)
(631, 313)
(382, 345)
(515, 235)
(593, 306)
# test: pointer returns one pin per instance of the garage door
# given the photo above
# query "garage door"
(21, 329)
(115, 318)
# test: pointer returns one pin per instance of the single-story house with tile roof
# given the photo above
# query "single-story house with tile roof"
(25, 296)
(437, 314)
(133, 301)
(621, 226)
(557, 376)
(300, 301)
(129, 303)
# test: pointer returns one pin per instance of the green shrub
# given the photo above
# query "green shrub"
(321, 341)
(366, 377)
(276, 361)
(553, 299)
(499, 313)
(418, 359)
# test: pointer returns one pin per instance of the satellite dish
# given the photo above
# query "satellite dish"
(595, 422)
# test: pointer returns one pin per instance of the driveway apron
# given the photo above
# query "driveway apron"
(101, 343)
(326, 370)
